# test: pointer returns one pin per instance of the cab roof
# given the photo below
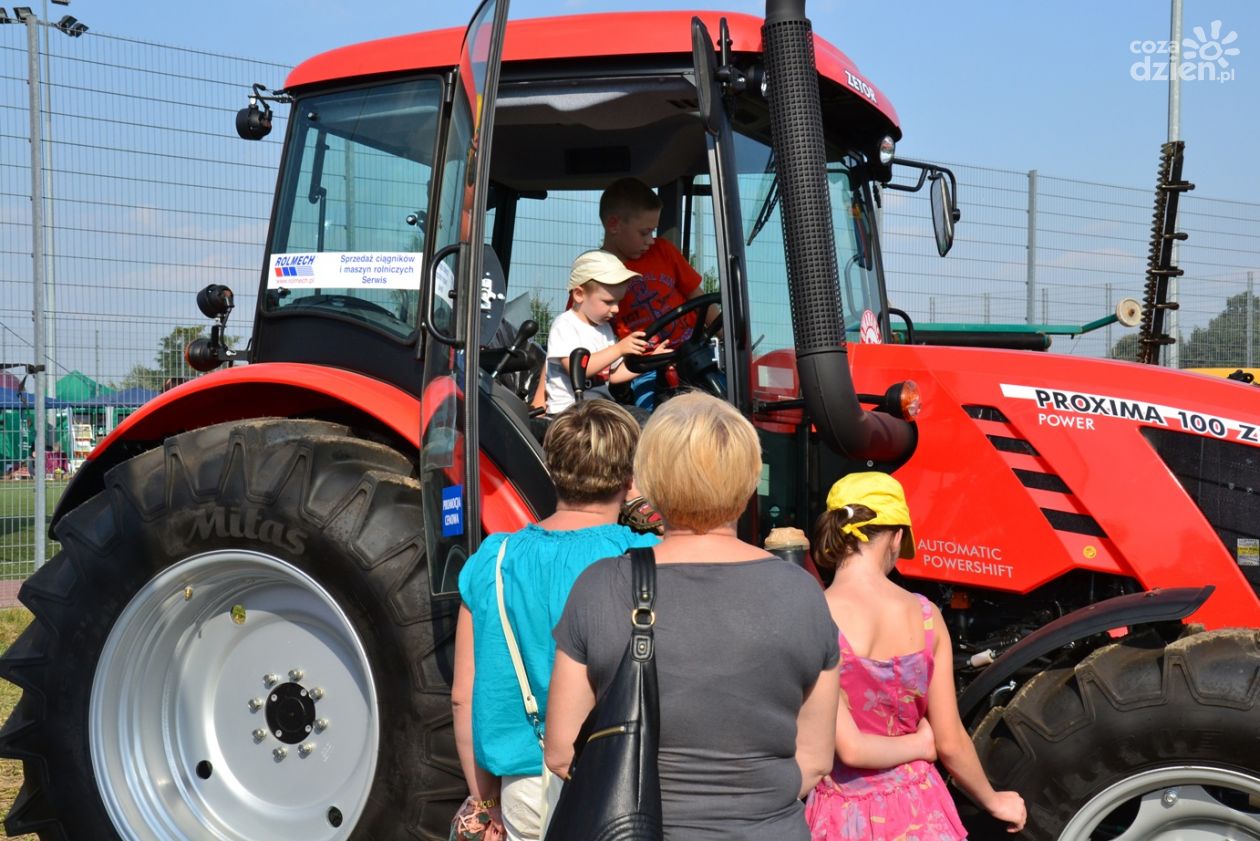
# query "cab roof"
(620, 34)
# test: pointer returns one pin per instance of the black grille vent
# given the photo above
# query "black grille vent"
(1012, 445)
(1042, 481)
(1223, 479)
(986, 413)
(1075, 523)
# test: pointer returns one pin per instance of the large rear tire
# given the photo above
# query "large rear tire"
(1140, 740)
(237, 640)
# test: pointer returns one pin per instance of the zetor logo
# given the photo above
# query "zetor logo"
(861, 86)
(247, 523)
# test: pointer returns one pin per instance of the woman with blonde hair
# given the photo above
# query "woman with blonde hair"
(745, 649)
(896, 669)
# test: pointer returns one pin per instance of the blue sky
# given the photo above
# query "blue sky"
(1013, 85)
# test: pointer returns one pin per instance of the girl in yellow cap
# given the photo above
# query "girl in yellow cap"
(896, 671)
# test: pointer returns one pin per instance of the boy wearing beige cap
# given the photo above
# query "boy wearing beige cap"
(597, 283)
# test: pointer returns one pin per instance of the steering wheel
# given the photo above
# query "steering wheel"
(694, 357)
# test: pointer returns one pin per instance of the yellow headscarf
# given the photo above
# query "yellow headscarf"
(882, 494)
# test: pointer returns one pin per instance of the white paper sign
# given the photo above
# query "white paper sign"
(338, 270)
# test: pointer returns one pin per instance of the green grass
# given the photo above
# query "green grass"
(12, 622)
(17, 526)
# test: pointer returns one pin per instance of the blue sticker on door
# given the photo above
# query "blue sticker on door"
(453, 511)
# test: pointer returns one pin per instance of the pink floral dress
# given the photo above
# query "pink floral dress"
(905, 803)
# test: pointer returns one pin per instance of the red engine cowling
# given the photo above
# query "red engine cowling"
(1030, 466)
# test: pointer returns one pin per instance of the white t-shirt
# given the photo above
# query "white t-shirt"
(568, 332)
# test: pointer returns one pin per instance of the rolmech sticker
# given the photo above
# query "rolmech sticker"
(1060, 405)
(453, 511)
(339, 270)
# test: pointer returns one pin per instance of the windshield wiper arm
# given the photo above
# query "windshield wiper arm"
(768, 205)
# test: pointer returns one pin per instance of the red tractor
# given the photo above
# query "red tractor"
(247, 633)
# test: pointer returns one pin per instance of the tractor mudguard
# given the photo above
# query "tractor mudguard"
(1158, 605)
(278, 389)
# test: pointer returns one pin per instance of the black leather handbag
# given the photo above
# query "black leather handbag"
(614, 788)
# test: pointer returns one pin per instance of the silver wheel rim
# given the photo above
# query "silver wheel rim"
(200, 664)
(1174, 804)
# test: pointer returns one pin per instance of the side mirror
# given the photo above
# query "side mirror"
(703, 57)
(942, 192)
(944, 212)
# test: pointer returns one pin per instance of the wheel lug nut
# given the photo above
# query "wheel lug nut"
(306, 748)
(1170, 797)
(321, 724)
(296, 674)
(260, 735)
(255, 704)
(316, 694)
(271, 679)
(280, 753)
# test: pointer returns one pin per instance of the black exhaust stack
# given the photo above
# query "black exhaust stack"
(822, 359)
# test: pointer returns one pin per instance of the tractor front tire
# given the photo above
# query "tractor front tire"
(1138, 739)
(238, 640)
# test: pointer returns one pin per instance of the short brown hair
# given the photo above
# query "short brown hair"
(590, 451)
(698, 463)
(832, 544)
(625, 196)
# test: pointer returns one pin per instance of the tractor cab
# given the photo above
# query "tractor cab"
(370, 245)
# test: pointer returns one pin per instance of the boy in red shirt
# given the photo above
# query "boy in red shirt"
(630, 212)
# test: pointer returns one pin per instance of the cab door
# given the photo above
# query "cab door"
(452, 303)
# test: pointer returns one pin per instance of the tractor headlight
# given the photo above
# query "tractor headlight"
(887, 148)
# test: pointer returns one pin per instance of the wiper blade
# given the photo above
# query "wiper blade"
(767, 205)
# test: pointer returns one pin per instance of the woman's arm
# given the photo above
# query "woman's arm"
(482, 785)
(816, 729)
(569, 700)
(954, 746)
(866, 750)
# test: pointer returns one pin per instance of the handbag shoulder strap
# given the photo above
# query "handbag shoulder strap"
(527, 694)
(643, 617)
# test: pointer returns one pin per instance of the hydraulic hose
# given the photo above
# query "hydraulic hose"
(813, 279)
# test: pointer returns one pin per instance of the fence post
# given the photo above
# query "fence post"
(1032, 246)
(39, 463)
(1251, 318)
(1107, 305)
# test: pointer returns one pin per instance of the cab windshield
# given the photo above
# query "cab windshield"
(860, 298)
(349, 235)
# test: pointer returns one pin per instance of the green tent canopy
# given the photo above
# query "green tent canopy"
(77, 387)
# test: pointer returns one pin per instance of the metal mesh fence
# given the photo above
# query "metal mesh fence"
(149, 196)
(1087, 244)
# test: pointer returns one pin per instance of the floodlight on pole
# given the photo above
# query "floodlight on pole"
(4, 16)
(71, 25)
